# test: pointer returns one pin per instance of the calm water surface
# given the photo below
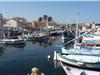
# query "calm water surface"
(18, 60)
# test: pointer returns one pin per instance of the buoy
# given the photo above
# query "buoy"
(49, 56)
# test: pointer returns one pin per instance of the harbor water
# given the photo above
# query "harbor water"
(20, 59)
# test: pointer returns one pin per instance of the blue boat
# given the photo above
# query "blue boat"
(40, 37)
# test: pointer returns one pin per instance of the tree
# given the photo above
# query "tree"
(50, 18)
(45, 17)
(40, 19)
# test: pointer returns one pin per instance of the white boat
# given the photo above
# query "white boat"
(90, 44)
(26, 36)
(12, 41)
(91, 62)
(79, 57)
(91, 38)
(84, 51)
(40, 37)
(87, 46)
(69, 70)
(55, 32)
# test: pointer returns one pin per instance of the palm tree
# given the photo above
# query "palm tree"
(49, 18)
(40, 19)
(45, 17)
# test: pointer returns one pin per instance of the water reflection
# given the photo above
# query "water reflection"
(7, 48)
(18, 61)
(45, 44)
(2, 49)
(19, 46)
(16, 46)
(50, 41)
(71, 70)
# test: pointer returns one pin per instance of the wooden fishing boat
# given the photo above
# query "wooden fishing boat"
(83, 51)
(91, 62)
(12, 41)
(40, 37)
(71, 70)
(80, 57)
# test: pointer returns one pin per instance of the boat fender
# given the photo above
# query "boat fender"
(49, 56)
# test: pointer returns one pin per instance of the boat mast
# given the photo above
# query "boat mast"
(76, 34)
(47, 24)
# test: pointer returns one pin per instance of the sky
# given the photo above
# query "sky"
(61, 11)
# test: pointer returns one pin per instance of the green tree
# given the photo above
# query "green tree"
(40, 19)
(45, 17)
(49, 18)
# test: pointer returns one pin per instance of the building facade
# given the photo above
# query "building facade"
(16, 23)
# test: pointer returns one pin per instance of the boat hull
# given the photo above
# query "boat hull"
(69, 70)
(81, 51)
(12, 41)
(19, 42)
(41, 39)
(67, 60)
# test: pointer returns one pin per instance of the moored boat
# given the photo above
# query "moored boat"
(40, 37)
(26, 37)
(91, 62)
(12, 41)
(71, 70)
(81, 57)
(83, 51)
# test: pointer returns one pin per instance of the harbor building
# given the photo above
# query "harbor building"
(16, 22)
(45, 24)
